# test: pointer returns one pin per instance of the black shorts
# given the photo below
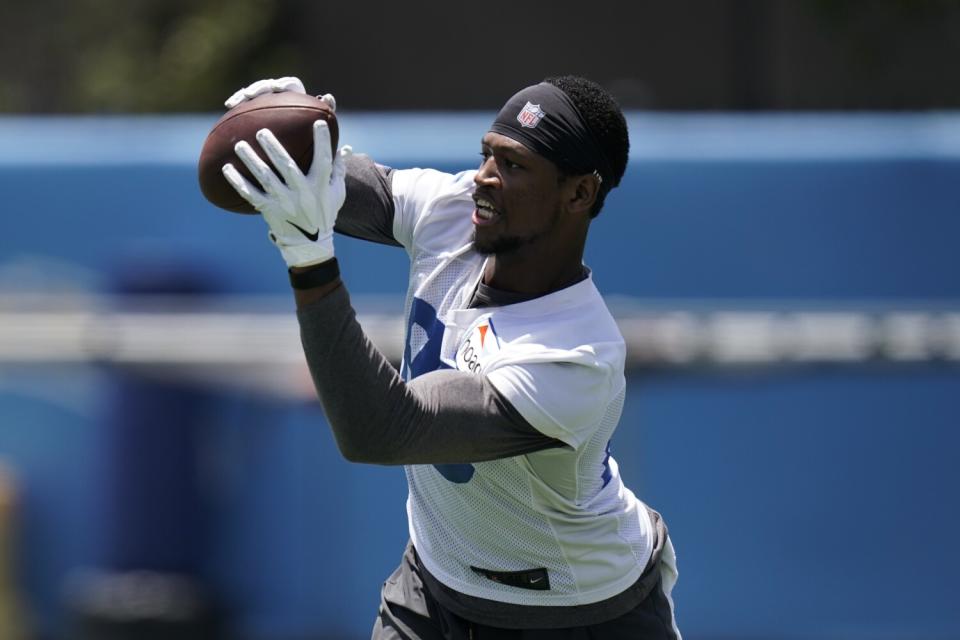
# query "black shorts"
(409, 612)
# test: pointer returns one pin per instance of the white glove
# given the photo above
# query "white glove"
(302, 212)
(274, 85)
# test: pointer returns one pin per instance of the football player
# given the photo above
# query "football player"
(512, 380)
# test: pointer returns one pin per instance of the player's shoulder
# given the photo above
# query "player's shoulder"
(562, 369)
(430, 208)
(578, 312)
(424, 185)
(573, 325)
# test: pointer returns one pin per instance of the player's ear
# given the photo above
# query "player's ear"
(583, 192)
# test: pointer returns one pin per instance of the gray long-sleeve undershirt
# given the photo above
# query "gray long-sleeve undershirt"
(444, 416)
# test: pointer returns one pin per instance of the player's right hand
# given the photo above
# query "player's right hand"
(300, 209)
(274, 85)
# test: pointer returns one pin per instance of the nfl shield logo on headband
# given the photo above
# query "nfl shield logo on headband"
(530, 116)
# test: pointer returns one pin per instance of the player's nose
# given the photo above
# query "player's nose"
(487, 175)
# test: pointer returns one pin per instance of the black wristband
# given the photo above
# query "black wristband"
(316, 275)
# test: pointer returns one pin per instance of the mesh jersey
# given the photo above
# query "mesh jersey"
(559, 360)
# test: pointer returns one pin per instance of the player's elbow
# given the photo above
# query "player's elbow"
(363, 451)
(353, 450)
(357, 454)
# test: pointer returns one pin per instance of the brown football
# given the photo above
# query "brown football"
(289, 115)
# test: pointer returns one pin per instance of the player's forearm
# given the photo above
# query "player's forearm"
(440, 417)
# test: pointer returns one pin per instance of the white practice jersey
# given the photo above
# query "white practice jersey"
(559, 360)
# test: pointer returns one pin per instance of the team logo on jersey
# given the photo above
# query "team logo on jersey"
(530, 116)
(481, 341)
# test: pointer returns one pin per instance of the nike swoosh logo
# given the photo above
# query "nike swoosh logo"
(312, 237)
(535, 580)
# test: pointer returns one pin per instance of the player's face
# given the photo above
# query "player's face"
(518, 197)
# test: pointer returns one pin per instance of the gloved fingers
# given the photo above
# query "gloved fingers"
(320, 166)
(248, 92)
(281, 159)
(330, 100)
(236, 98)
(268, 180)
(337, 192)
(260, 87)
(243, 187)
(289, 83)
(339, 171)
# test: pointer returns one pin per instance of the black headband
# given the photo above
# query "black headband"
(544, 119)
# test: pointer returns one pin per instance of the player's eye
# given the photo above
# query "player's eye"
(502, 162)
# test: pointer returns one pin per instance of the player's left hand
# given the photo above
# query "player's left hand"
(302, 208)
(274, 85)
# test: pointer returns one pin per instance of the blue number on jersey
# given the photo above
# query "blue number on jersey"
(424, 316)
(428, 359)
(607, 474)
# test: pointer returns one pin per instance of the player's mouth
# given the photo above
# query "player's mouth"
(485, 212)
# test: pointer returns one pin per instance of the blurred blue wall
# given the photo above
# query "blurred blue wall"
(813, 502)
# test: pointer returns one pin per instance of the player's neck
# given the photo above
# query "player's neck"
(518, 274)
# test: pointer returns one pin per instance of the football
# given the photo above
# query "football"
(289, 115)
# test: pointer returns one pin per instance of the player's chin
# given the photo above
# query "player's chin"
(490, 245)
(483, 245)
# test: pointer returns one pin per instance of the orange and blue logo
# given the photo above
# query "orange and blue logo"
(481, 341)
(483, 333)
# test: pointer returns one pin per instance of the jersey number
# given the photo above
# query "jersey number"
(427, 359)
